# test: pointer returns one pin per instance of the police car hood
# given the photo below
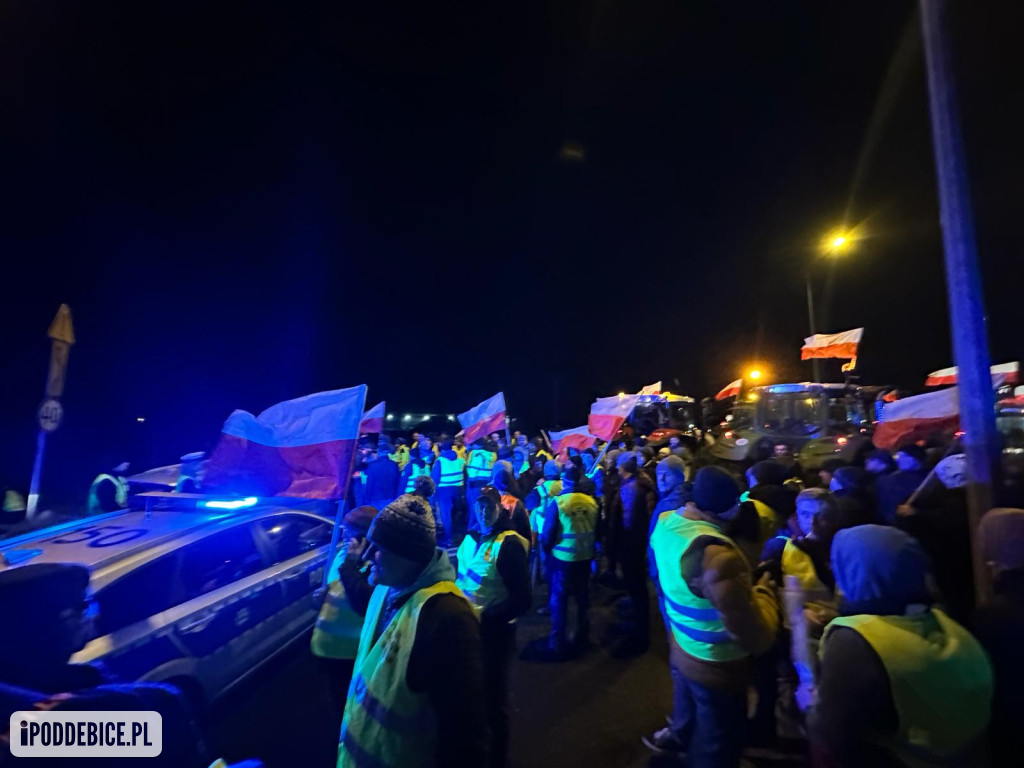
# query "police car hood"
(879, 570)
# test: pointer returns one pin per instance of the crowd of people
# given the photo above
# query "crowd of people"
(827, 612)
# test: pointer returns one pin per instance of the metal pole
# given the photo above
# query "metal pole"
(37, 470)
(335, 536)
(815, 362)
(963, 280)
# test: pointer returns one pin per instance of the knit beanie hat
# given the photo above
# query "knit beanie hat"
(551, 470)
(714, 490)
(405, 527)
(357, 522)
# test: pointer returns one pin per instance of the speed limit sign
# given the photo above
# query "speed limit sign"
(51, 413)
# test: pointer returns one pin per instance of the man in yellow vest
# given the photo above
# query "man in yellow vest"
(449, 475)
(336, 633)
(109, 491)
(478, 473)
(417, 692)
(901, 684)
(494, 575)
(716, 620)
(569, 537)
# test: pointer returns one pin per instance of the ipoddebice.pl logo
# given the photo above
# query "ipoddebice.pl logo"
(86, 734)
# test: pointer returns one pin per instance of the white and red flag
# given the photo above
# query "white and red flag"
(487, 417)
(579, 438)
(651, 389)
(913, 418)
(302, 447)
(832, 344)
(373, 420)
(731, 389)
(1005, 373)
(607, 414)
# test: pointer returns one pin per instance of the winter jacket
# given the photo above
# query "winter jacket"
(382, 476)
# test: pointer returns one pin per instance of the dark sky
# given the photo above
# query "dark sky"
(245, 202)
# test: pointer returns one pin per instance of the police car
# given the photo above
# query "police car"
(192, 590)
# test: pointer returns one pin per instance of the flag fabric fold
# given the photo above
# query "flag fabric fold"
(651, 389)
(913, 418)
(1005, 373)
(607, 414)
(579, 438)
(842, 344)
(373, 420)
(730, 390)
(302, 447)
(487, 417)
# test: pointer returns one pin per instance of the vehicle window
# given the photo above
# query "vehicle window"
(139, 594)
(219, 560)
(791, 414)
(292, 535)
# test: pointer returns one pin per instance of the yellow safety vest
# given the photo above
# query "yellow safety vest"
(941, 684)
(478, 569)
(695, 623)
(415, 470)
(14, 502)
(796, 562)
(577, 512)
(120, 492)
(386, 723)
(400, 456)
(478, 468)
(337, 629)
(768, 519)
(451, 472)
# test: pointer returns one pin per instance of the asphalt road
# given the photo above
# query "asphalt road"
(583, 713)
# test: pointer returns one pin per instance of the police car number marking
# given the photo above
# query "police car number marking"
(99, 536)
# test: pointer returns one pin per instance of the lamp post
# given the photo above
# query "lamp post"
(834, 245)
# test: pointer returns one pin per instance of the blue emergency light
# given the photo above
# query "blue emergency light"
(248, 501)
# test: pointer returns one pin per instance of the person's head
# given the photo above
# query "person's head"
(1001, 535)
(828, 467)
(446, 445)
(570, 476)
(909, 458)
(551, 470)
(403, 541)
(766, 473)
(625, 465)
(623, 445)
(416, 436)
(848, 480)
(674, 442)
(952, 471)
(817, 513)
(357, 522)
(611, 458)
(47, 613)
(521, 439)
(879, 462)
(879, 570)
(498, 439)
(588, 460)
(488, 508)
(714, 491)
(671, 473)
(426, 443)
(502, 476)
(780, 450)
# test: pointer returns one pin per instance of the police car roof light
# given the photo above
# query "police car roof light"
(248, 501)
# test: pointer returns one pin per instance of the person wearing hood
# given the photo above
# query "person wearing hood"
(635, 498)
(504, 480)
(568, 536)
(999, 625)
(851, 487)
(449, 476)
(419, 658)
(494, 575)
(901, 684)
(716, 619)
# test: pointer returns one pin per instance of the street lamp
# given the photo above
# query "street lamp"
(754, 374)
(836, 243)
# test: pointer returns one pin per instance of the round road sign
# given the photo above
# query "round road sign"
(51, 413)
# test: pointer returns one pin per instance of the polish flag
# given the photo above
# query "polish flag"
(731, 390)
(832, 344)
(485, 418)
(1007, 373)
(652, 389)
(913, 418)
(607, 414)
(373, 420)
(301, 447)
(579, 438)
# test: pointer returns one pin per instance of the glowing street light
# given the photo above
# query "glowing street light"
(754, 374)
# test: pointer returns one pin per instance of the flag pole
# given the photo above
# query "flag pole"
(340, 515)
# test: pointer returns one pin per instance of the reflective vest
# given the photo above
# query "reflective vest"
(451, 472)
(14, 502)
(415, 470)
(577, 512)
(120, 493)
(479, 466)
(547, 491)
(941, 684)
(696, 625)
(385, 723)
(767, 518)
(337, 629)
(796, 562)
(478, 569)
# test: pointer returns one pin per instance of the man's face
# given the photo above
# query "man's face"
(486, 513)
(666, 480)
(426, 442)
(390, 569)
(905, 462)
(521, 440)
(673, 442)
(781, 450)
(805, 511)
(825, 476)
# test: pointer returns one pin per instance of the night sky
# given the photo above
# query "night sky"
(246, 202)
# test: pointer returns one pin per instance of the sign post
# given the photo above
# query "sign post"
(51, 412)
